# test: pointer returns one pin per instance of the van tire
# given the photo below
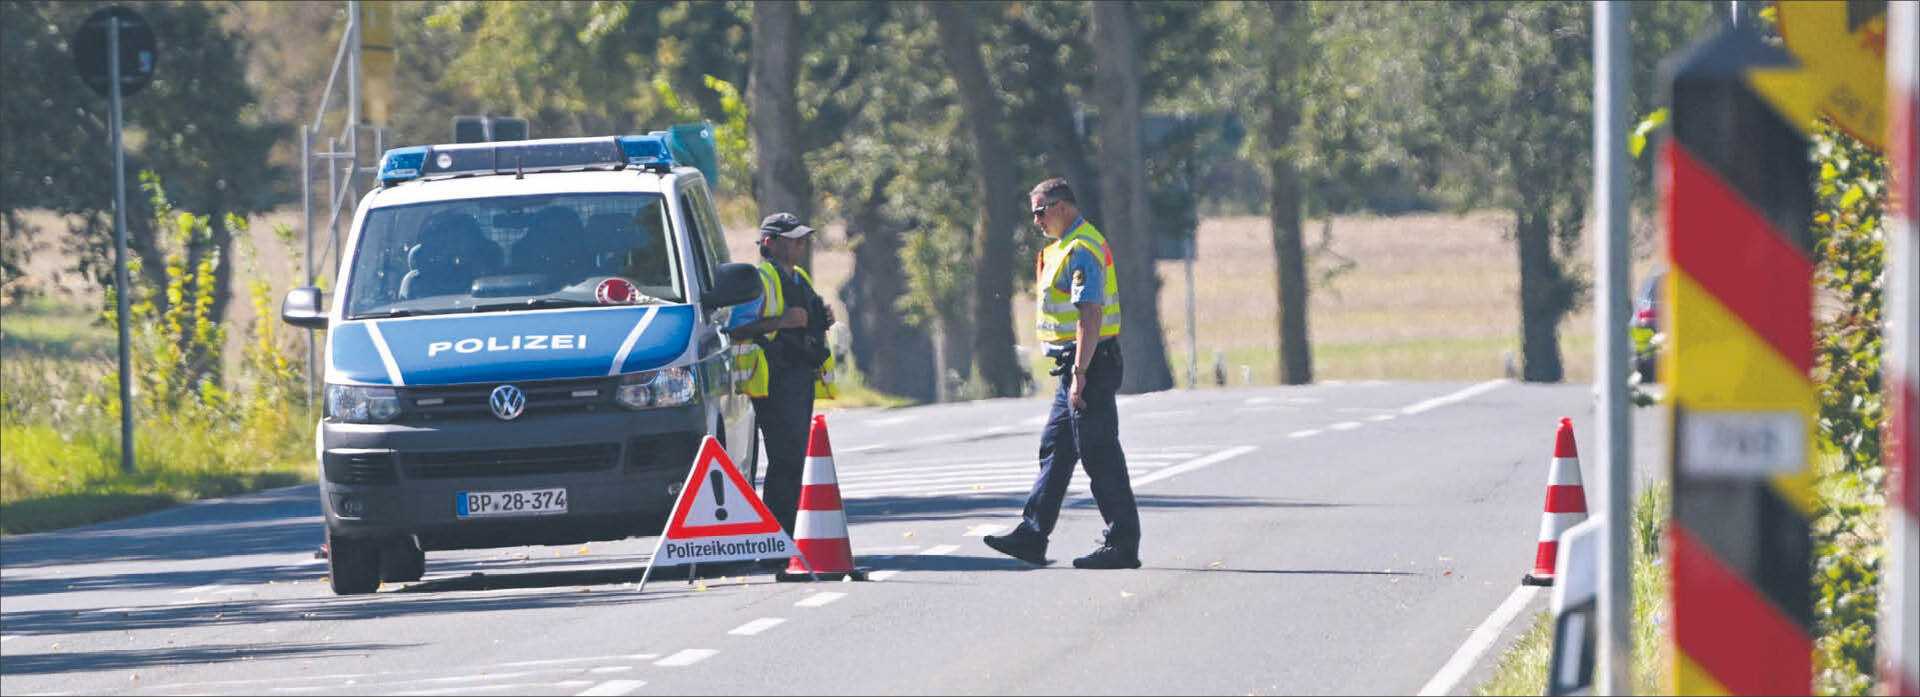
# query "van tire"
(353, 565)
(402, 561)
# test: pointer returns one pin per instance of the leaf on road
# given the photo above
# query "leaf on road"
(1215, 565)
(583, 551)
(700, 587)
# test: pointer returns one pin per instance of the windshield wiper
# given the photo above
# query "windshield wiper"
(533, 303)
(388, 313)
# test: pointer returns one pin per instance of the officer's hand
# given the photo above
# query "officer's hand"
(1079, 388)
(795, 318)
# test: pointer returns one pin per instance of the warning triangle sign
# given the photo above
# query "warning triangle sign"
(718, 517)
(717, 501)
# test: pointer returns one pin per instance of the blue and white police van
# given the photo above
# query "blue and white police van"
(524, 346)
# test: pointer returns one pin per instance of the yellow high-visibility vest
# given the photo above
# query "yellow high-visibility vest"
(749, 360)
(1058, 319)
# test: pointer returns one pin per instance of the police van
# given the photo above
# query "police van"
(524, 346)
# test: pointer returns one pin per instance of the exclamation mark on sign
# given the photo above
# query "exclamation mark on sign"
(719, 496)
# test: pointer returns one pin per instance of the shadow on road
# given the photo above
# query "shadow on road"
(90, 661)
(273, 522)
(910, 508)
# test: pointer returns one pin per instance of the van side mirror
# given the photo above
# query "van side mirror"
(302, 308)
(732, 284)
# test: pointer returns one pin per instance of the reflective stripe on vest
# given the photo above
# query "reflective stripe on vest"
(749, 360)
(1057, 318)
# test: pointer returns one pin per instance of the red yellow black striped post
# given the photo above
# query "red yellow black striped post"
(1737, 202)
(1899, 617)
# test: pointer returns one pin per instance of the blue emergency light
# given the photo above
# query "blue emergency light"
(658, 151)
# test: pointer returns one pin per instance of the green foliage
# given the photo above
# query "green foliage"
(196, 434)
(1849, 533)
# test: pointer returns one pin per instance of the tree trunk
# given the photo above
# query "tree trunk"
(1296, 354)
(894, 357)
(1000, 207)
(1051, 113)
(1542, 294)
(1123, 195)
(780, 182)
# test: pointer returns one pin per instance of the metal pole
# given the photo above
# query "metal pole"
(123, 285)
(1733, 12)
(1610, 102)
(1193, 345)
(306, 227)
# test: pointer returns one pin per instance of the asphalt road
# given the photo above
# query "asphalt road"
(1335, 538)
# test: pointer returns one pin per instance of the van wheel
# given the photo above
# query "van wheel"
(353, 565)
(402, 560)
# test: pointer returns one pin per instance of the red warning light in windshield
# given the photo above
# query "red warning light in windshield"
(616, 291)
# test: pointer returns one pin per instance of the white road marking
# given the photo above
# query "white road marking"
(1344, 426)
(1380, 417)
(1304, 434)
(1258, 400)
(883, 574)
(865, 448)
(9, 637)
(1477, 644)
(612, 688)
(819, 599)
(1190, 466)
(685, 657)
(585, 659)
(940, 550)
(199, 589)
(984, 530)
(1459, 396)
(521, 687)
(756, 626)
(603, 670)
(892, 420)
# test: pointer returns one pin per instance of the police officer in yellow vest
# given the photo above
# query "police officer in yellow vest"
(780, 350)
(1079, 323)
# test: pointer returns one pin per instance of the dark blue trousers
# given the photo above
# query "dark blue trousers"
(785, 417)
(1090, 436)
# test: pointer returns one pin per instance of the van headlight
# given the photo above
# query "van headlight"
(362, 405)
(666, 387)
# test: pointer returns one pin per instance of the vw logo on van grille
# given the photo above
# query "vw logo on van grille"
(508, 402)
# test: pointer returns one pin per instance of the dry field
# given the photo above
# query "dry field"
(1421, 297)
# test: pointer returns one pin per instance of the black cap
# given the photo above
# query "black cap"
(784, 225)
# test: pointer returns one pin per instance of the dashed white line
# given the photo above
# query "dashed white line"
(1304, 434)
(819, 599)
(892, 420)
(1188, 466)
(939, 550)
(585, 659)
(883, 574)
(521, 687)
(685, 657)
(199, 589)
(1258, 400)
(1344, 426)
(1380, 417)
(757, 626)
(603, 670)
(984, 530)
(612, 688)
(1459, 396)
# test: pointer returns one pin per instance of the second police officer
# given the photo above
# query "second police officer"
(1079, 322)
(780, 353)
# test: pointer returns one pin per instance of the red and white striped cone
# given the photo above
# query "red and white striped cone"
(1566, 505)
(820, 528)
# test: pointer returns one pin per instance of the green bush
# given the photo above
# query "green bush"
(198, 433)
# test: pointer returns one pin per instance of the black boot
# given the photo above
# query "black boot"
(1109, 556)
(1022, 544)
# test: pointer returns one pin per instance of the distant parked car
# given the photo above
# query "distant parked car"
(1645, 328)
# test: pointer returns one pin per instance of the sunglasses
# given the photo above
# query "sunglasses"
(1041, 210)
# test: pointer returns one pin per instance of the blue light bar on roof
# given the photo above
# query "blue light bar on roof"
(659, 151)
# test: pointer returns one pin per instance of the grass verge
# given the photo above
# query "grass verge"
(1522, 670)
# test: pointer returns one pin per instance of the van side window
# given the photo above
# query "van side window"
(697, 239)
(710, 225)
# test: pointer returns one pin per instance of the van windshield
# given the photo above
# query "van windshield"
(516, 252)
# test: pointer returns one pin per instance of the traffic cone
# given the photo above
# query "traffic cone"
(1566, 505)
(820, 528)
